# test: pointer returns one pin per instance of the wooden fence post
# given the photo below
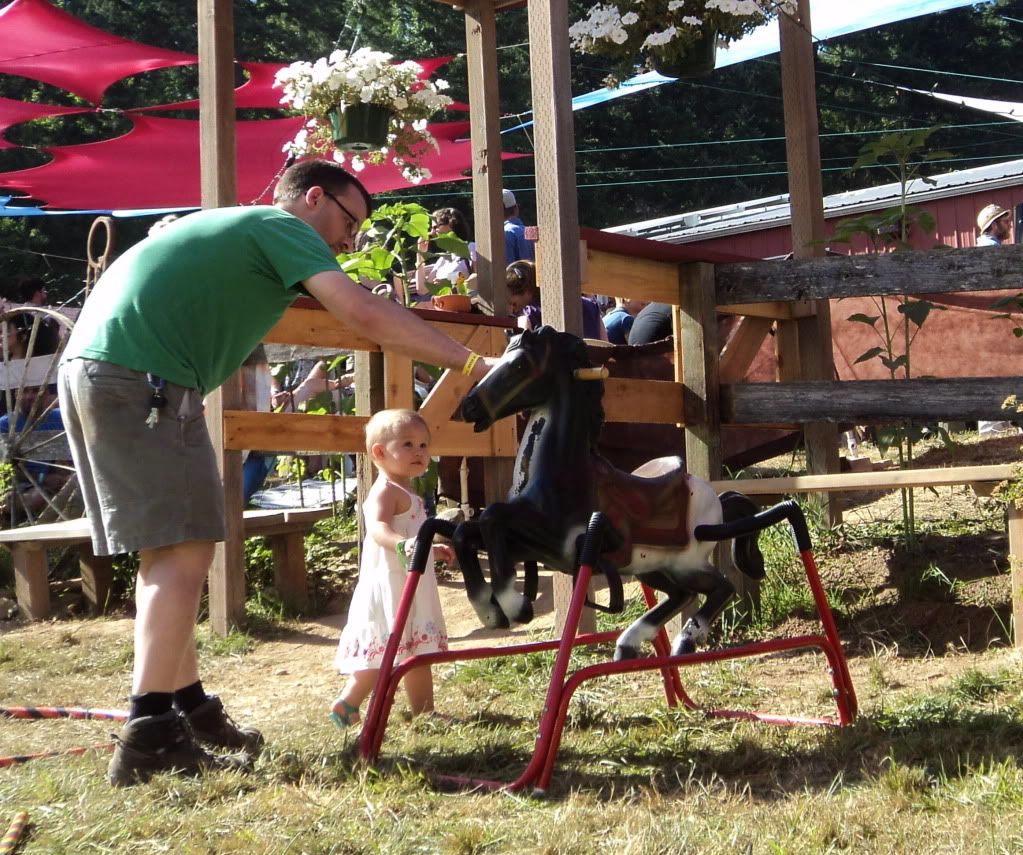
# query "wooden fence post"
(805, 345)
(217, 168)
(696, 337)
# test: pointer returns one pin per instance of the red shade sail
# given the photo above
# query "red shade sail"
(12, 112)
(156, 165)
(42, 42)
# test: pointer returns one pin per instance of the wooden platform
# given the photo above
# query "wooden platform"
(285, 531)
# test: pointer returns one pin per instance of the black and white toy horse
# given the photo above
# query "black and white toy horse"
(560, 480)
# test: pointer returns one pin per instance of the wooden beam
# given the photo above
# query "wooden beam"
(485, 138)
(216, 104)
(398, 388)
(806, 199)
(742, 348)
(990, 268)
(775, 310)
(700, 369)
(886, 479)
(659, 402)
(627, 276)
(369, 398)
(1015, 514)
(862, 401)
(218, 181)
(31, 586)
(557, 213)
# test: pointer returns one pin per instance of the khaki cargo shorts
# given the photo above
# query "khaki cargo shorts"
(143, 487)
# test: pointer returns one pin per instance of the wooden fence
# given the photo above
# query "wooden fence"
(707, 391)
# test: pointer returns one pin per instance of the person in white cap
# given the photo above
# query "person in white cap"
(516, 247)
(995, 226)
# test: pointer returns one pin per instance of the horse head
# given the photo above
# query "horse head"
(535, 366)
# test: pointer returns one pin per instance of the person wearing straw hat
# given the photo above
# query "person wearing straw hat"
(994, 223)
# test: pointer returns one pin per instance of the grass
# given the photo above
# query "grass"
(933, 761)
(940, 765)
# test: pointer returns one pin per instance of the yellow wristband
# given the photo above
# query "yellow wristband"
(470, 363)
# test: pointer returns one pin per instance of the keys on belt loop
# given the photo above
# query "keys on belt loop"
(157, 401)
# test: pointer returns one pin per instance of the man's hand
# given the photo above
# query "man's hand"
(484, 365)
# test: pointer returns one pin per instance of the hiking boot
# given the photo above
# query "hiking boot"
(211, 725)
(161, 743)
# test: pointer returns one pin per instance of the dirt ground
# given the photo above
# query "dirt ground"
(916, 637)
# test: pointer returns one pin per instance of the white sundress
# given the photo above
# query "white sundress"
(375, 602)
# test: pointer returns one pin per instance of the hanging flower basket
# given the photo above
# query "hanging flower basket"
(360, 127)
(364, 106)
(697, 60)
(677, 38)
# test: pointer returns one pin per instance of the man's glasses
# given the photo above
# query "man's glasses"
(355, 220)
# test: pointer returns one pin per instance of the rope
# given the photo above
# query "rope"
(40, 713)
(79, 713)
(16, 759)
(13, 835)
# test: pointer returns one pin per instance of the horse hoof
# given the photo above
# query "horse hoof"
(683, 646)
(525, 613)
(624, 653)
(493, 619)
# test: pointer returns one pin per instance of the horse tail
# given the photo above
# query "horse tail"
(745, 549)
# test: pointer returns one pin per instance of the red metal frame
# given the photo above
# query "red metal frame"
(560, 690)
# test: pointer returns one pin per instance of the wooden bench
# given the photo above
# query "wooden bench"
(28, 546)
(982, 478)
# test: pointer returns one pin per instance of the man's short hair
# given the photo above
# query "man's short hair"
(332, 177)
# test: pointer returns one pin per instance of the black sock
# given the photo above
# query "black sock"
(190, 697)
(150, 703)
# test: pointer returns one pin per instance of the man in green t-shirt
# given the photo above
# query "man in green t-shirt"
(171, 320)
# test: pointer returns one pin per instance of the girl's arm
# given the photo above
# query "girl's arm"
(379, 509)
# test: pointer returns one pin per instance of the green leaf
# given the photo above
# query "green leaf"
(868, 354)
(860, 318)
(451, 243)
(895, 364)
(917, 310)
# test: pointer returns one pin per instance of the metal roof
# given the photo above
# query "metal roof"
(773, 211)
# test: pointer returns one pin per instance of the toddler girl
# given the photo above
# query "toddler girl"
(398, 442)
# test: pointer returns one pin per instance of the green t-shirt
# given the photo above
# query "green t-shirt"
(191, 302)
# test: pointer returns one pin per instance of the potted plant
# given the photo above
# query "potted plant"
(677, 38)
(453, 296)
(389, 255)
(364, 104)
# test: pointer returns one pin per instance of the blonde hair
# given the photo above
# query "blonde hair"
(388, 424)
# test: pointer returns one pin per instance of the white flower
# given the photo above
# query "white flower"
(661, 38)
(365, 76)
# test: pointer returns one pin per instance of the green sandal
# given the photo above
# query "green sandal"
(343, 714)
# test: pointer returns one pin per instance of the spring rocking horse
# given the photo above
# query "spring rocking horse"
(573, 511)
(560, 480)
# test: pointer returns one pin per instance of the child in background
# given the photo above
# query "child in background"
(398, 442)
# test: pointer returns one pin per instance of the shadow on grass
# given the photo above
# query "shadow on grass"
(937, 736)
